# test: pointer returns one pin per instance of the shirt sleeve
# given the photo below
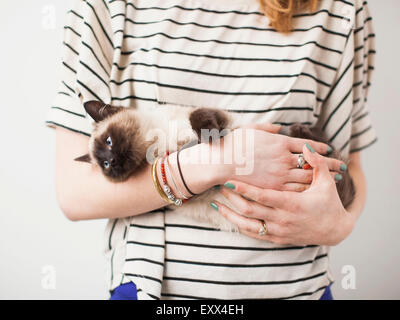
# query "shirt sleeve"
(345, 117)
(86, 65)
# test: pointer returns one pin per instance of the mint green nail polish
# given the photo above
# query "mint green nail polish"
(329, 150)
(343, 167)
(214, 206)
(309, 148)
(338, 177)
(217, 187)
(229, 185)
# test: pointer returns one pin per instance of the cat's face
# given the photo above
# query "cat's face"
(116, 152)
(116, 144)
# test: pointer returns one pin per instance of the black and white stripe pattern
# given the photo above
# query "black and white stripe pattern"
(220, 54)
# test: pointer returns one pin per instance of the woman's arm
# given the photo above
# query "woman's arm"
(360, 184)
(84, 193)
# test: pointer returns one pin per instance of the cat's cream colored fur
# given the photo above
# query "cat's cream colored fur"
(170, 123)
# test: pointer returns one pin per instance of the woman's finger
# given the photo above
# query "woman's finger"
(300, 176)
(268, 237)
(296, 145)
(269, 127)
(249, 224)
(303, 186)
(266, 197)
(320, 168)
(295, 187)
(247, 207)
(333, 164)
(336, 176)
(300, 187)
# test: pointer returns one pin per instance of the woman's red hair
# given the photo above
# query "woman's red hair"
(280, 12)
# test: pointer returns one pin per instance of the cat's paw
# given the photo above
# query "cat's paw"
(209, 123)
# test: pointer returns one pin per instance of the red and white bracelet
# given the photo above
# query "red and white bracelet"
(166, 188)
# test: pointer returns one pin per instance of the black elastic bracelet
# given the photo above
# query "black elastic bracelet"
(180, 173)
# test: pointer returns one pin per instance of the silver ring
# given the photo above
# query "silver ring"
(300, 161)
(263, 230)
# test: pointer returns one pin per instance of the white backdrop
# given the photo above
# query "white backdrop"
(37, 242)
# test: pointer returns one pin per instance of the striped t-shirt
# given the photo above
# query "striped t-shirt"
(221, 54)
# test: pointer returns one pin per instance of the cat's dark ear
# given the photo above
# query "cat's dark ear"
(84, 158)
(208, 119)
(99, 110)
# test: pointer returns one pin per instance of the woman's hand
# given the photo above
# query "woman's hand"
(257, 155)
(315, 216)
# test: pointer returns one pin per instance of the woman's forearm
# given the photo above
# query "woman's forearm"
(360, 184)
(84, 193)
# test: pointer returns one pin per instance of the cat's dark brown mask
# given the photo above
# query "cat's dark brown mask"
(117, 150)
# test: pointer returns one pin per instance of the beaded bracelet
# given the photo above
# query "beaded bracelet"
(166, 187)
(157, 184)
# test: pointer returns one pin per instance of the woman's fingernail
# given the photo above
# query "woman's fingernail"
(329, 150)
(309, 148)
(338, 177)
(229, 185)
(343, 167)
(214, 206)
(217, 187)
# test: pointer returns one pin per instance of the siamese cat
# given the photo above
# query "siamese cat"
(124, 139)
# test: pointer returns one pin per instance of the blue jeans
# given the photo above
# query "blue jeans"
(327, 295)
(125, 291)
(128, 291)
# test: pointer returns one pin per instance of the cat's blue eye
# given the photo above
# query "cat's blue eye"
(109, 141)
(106, 164)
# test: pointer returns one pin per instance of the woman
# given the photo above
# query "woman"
(268, 62)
